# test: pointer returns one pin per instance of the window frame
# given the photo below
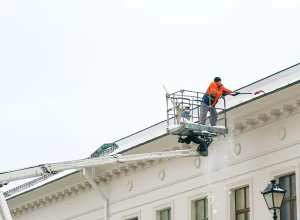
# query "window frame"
(231, 215)
(169, 213)
(161, 207)
(132, 215)
(245, 210)
(192, 205)
(284, 171)
(291, 198)
(195, 204)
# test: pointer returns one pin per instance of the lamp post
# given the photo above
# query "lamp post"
(273, 195)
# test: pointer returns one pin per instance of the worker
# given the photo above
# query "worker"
(210, 99)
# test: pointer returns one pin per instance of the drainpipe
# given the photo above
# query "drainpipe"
(4, 210)
(103, 196)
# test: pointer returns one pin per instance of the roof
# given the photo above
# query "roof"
(273, 83)
(268, 84)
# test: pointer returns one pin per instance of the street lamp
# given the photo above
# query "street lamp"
(273, 195)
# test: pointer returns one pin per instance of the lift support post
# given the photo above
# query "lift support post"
(4, 210)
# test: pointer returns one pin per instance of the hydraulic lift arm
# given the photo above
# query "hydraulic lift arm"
(53, 168)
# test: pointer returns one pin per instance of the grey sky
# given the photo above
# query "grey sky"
(77, 74)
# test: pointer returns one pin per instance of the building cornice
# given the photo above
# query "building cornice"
(266, 117)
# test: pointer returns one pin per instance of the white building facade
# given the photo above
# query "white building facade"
(263, 144)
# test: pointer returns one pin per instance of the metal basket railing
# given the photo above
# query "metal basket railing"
(190, 103)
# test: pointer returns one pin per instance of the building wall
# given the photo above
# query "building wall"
(251, 154)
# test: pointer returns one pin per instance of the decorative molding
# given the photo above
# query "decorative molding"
(288, 109)
(236, 149)
(129, 185)
(238, 127)
(281, 133)
(197, 162)
(132, 166)
(267, 117)
(262, 118)
(150, 162)
(141, 164)
(250, 122)
(274, 113)
(161, 174)
(108, 175)
(116, 172)
(124, 170)
(283, 171)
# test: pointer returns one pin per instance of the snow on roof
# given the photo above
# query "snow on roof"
(268, 84)
(49, 180)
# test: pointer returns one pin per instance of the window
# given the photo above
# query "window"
(165, 214)
(201, 209)
(164, 211)
(289, 206)
(136, 215)
(242, 207)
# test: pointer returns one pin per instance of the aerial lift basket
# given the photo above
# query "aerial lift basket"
(183, 117)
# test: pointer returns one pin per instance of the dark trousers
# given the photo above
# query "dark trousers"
(203, 114)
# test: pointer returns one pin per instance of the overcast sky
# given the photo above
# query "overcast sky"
(77, 74)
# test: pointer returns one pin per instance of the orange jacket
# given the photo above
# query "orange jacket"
(216, 91)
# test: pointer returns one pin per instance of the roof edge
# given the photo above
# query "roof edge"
(268, 76)
(234, 90)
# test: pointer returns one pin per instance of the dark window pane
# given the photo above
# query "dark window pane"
(206, 208)
(241, 216)
(285, 183)
(286, 215)
(240, 199)
(293, 185)
(200, 209)
(295, 209)
(165, 215)
(247, 197)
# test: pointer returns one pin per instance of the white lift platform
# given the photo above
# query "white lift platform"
(183, 117)
(53, 168)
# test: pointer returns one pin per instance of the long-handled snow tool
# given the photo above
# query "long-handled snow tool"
(248, 93)
(179, 113)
